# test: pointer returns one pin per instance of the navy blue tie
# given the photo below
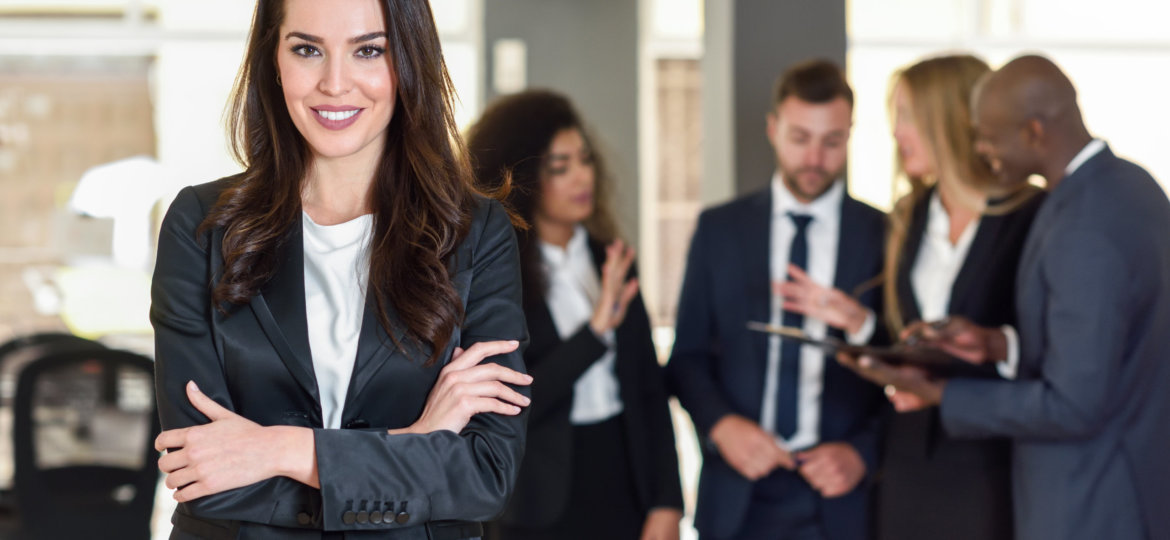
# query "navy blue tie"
(786, 395)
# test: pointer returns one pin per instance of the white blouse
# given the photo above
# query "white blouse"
(337, 267)
(938, 262)
(573, 289)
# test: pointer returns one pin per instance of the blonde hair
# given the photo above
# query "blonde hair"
(940, 90)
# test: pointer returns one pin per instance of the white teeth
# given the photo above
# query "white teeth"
(339, 115)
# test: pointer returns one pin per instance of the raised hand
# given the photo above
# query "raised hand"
(616, 292)
(750, 450)
(809, 298)
(467, 386)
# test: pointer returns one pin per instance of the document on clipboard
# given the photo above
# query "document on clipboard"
(932, 360)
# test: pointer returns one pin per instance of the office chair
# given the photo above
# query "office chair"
(85, 421)
(14, 355)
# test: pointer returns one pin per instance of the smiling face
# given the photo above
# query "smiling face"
(1000, 140)
(566, 180)
(810, 140)
(338, 80)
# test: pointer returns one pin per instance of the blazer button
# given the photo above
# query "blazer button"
(402, 518)
(303, 518)
(363, 517)
(348, 517)
(376, 517)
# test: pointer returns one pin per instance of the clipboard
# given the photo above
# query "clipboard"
(934, 361)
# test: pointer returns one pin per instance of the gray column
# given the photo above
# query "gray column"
(748, 43)
(587, 49)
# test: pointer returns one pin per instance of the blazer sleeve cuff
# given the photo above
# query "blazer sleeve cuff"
(865, 333)
(1009, 368)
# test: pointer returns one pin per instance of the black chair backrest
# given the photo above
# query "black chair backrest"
(14, 355)
(84, 428)
(44, 338)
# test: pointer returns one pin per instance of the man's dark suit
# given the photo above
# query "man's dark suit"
(1089, 413)
(542, 489)
(934, 486)
(717, 366)
(256, 362)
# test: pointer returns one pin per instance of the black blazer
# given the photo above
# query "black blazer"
(717, 366)
(933, 485)
(256, 362)
(543, 487)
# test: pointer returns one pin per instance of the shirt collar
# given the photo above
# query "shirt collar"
(826, 208)
(1090, 150)
(939, 223)
(577, 247)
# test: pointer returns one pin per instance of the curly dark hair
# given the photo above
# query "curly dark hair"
(510, 143)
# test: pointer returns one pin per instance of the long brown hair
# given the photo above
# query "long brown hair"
(940, 91)
(422, 195)
(512, 139)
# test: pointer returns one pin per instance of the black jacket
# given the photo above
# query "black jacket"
(256, 362)
(542, 489)
(934, 485)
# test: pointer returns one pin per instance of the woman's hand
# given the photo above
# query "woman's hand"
(804, 296)
(467, 387)
(231, 451)
(661, 524)
(616, 292)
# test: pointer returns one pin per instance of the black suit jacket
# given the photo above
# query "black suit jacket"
(542, 489)
(933, 485)
(717, 366)
(256, 362)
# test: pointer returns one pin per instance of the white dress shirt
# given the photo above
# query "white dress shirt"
(938, 262)
(1010, 367)
(573, 290)
(337, 267)
(822, 233)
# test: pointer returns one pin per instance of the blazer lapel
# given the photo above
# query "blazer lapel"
(755, 237)
(847, 266)
(280, 309)
(1052, 205)
(978, 256)
(374, 348)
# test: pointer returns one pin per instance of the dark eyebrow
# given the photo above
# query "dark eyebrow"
(368, 37)
(306, 37)
(314, 39)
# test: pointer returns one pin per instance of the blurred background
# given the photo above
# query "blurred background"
(108, 107)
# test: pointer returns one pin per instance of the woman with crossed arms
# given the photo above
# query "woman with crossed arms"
(338, 327)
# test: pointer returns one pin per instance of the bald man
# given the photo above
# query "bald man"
(1087, 398)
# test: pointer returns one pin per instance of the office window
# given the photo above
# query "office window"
(1118, 58)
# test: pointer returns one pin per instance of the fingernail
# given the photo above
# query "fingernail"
(515, 410)
(526, 400)
(513, 342)
(193, 386)
(528, 377)
(865, 362)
